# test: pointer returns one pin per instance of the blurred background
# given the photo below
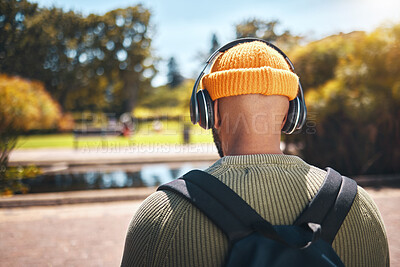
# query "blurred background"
(95, 95)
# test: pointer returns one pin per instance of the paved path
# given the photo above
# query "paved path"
(70, 235)
(93, 234)
(114, 155)
(76, 197)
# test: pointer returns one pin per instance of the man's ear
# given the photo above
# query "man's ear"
(217, 118)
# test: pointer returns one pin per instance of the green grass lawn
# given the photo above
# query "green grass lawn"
(170, 134)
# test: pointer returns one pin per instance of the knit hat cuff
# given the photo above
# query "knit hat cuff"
(262, 80)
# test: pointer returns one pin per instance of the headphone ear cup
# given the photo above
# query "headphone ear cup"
(293, 116)
(302, 115)
(194, 109)
(206, 109)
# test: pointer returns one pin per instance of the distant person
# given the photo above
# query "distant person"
(250, 85)
(128, 125)
(126, 130)
(157, 126)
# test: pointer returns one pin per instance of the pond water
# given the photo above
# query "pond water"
(106, 178)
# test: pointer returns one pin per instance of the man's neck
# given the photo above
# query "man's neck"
(248, 145)
(250, 124)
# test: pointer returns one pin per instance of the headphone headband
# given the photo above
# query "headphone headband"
(194, 107)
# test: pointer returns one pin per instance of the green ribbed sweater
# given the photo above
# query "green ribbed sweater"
(168, 231)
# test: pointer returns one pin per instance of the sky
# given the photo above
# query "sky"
(183, 28)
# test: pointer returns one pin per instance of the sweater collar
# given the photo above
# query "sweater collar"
(257, 159)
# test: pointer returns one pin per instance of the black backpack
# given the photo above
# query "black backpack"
(256, 242)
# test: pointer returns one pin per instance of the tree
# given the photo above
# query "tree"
(24, 105)
(266, 30)
(202, 56)
(174, 76)
(355, 104)
(13, 15)
(214, 43)
(97, 62)
(316, 62)
(257, 28)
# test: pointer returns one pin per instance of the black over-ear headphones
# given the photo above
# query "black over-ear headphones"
(201, 104)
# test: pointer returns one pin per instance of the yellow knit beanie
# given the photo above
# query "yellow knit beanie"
(250, 68)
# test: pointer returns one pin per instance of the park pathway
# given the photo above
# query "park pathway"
(139, 154)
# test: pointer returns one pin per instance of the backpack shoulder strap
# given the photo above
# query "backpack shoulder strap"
(330, 205)
(323, 201)
(336, 215)
(214, 210)
(220, 203)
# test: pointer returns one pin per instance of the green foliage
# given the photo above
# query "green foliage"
(165, 101)
(95, 62)
(316, 62)
(354, 104)
(11, 179)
